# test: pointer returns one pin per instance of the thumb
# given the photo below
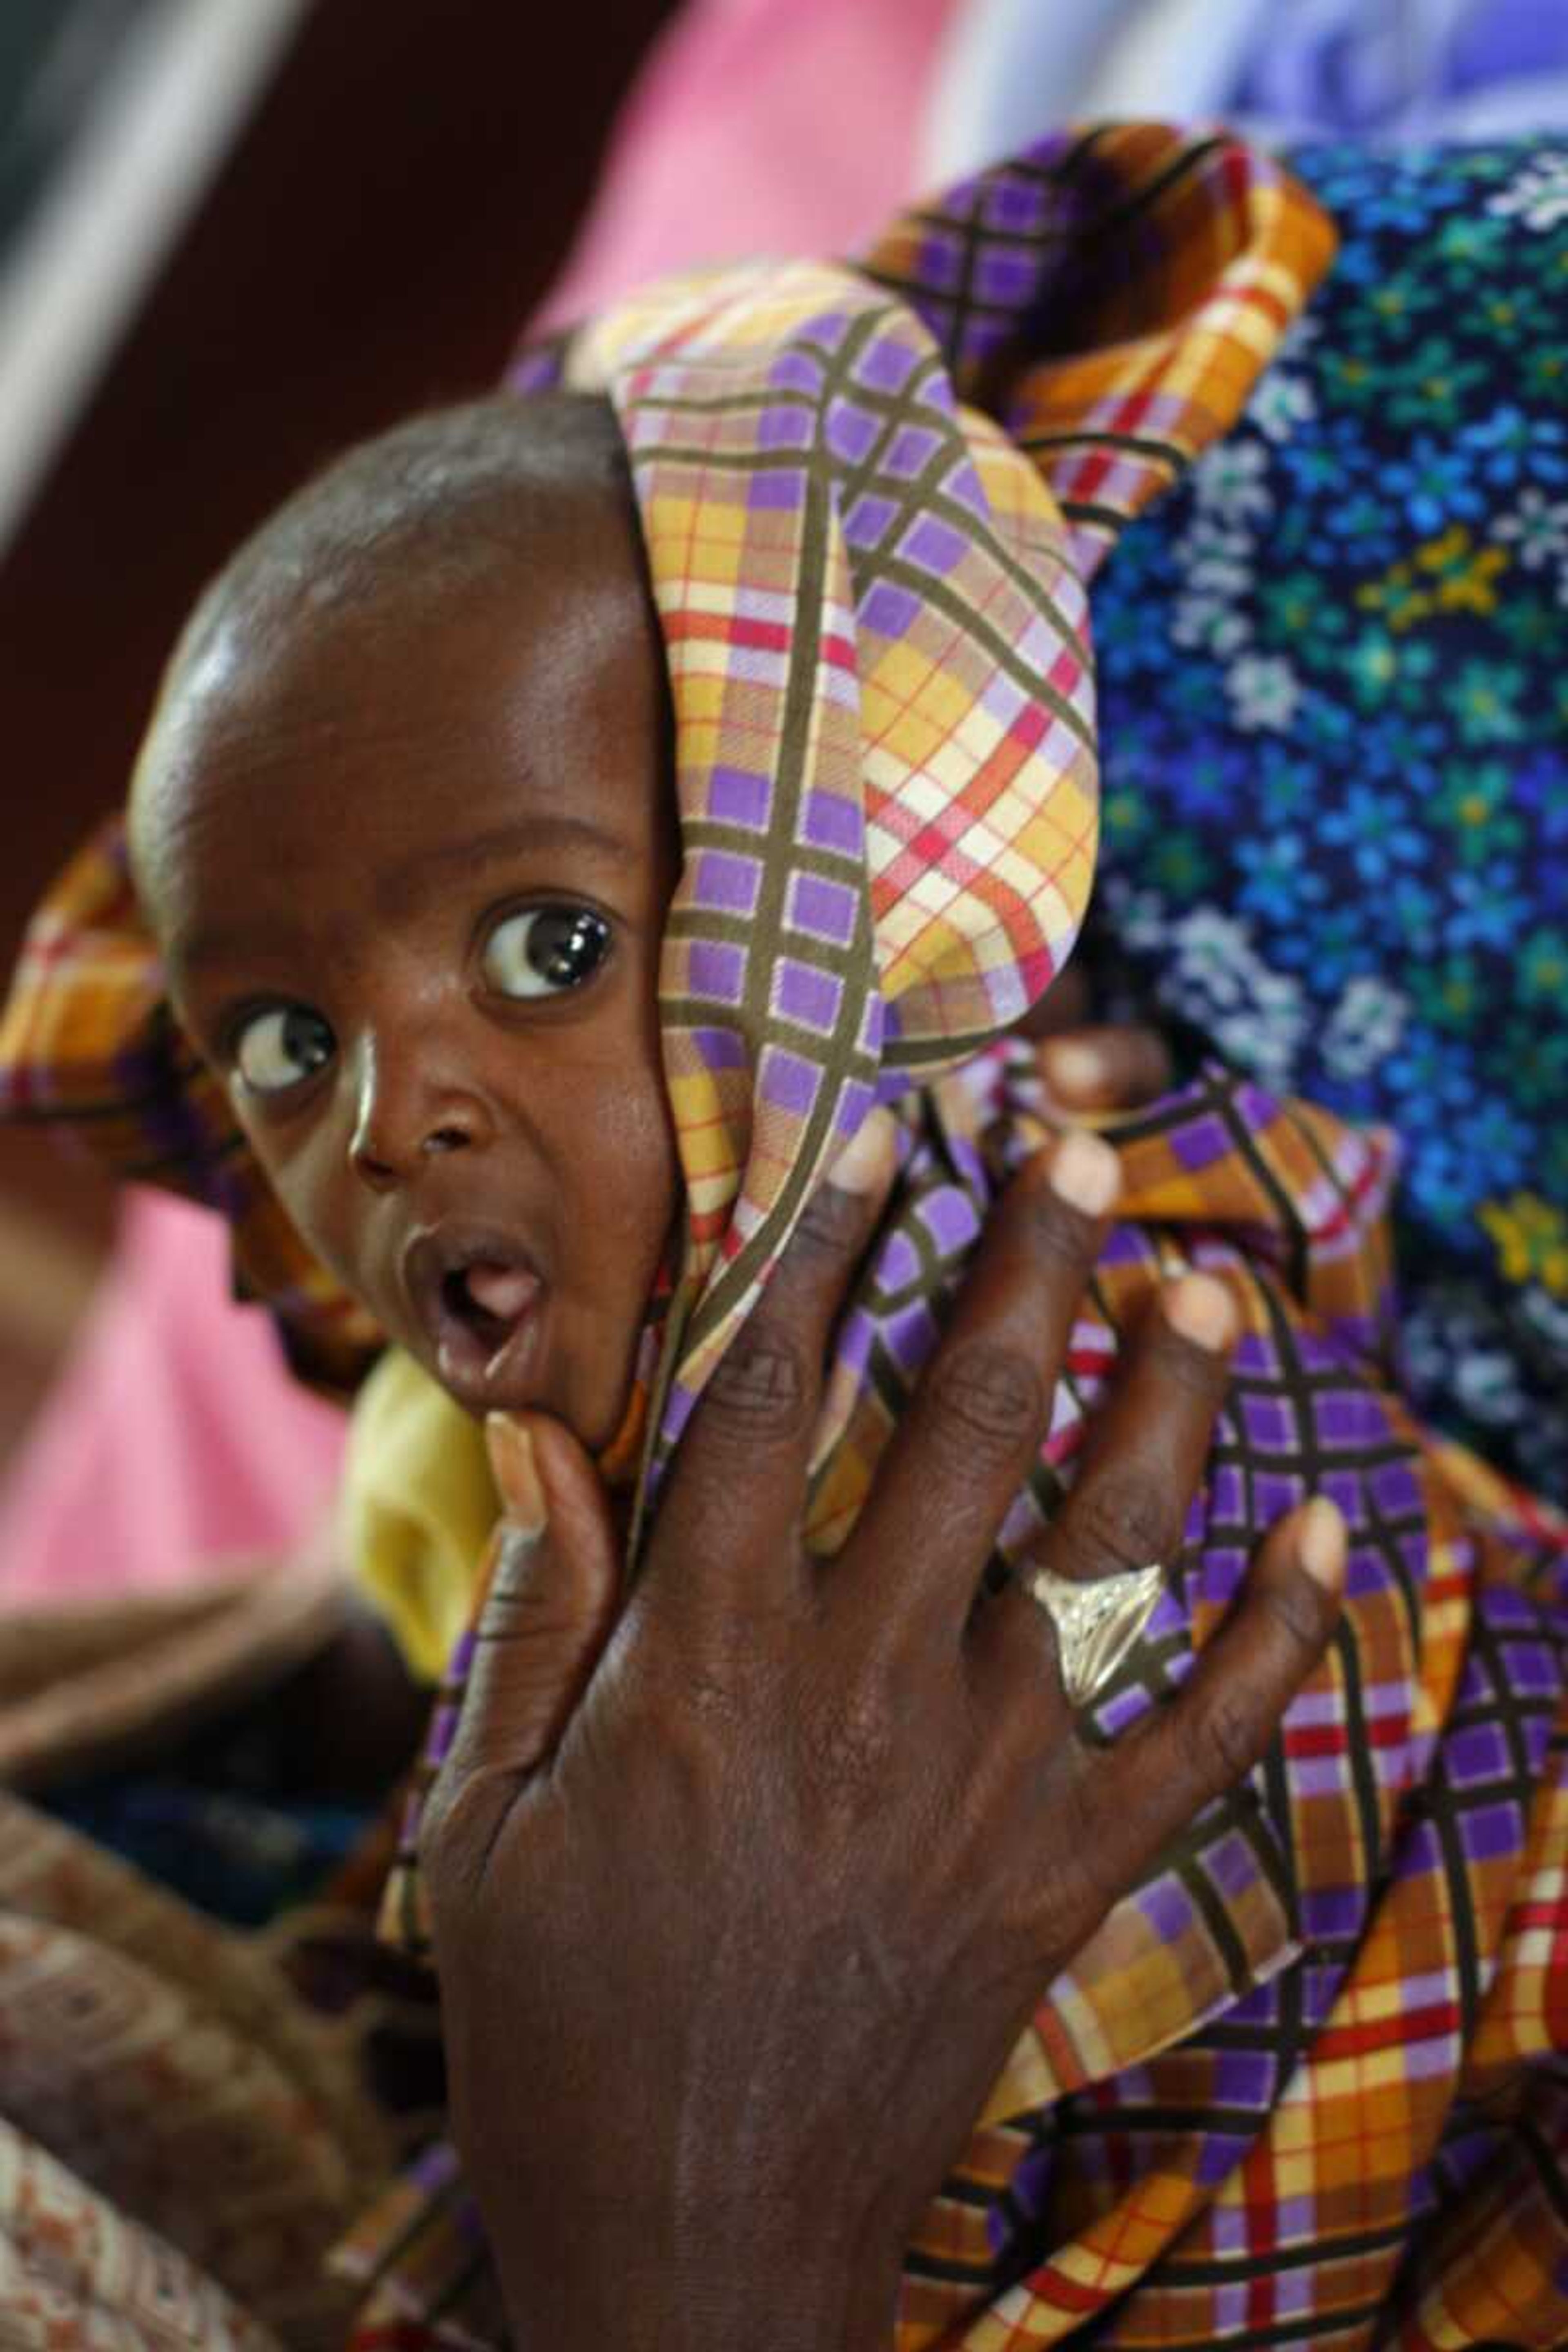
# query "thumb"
(554, 1589)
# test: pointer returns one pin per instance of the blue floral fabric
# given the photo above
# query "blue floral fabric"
(1333, 674)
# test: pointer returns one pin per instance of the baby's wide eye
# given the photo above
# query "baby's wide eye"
(545, 949)
(278, 1047)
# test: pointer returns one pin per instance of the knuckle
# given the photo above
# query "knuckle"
(1025, 1710)
(456, 1831)
(716, 1679)
(518, 1607)
(1083, 1876)
(829, 1228)
(986, 1402)
(1061, 1235)
(1027, 1631)
(1230, 1739)
(1131, 1519)
(1181, 1363)
(760, 1393)
(695, 1715)
(1294, 1608)
(850, 1750)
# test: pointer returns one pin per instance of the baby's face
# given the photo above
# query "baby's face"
(410, 865)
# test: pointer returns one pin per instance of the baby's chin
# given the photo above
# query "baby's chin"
(602, 1406)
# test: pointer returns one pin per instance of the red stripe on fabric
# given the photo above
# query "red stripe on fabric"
(1065, 673)
(1038, 970)
(1089, 473)
(1340, 1220)
(936, 843)
(1051, 2286)
(1332, 1738)
(1262, 2238)
(1260, 298)
(1438, 2018)
(720, 628)
(1552, 1914)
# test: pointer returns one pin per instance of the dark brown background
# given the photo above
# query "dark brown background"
(395, 208)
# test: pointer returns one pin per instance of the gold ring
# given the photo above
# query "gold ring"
(1097, 1621)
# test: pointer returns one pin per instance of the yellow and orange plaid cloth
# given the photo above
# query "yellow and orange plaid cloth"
(1307, 2083)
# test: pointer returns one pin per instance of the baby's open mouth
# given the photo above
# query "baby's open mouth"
(475, 1292)
(489, 1297)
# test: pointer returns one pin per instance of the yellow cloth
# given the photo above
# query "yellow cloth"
(418, 1505)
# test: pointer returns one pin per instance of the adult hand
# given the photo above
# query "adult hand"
(743, 1893)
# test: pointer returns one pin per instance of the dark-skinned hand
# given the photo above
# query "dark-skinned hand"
(742, 1891)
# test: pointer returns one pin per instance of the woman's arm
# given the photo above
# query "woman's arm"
(788, 1842)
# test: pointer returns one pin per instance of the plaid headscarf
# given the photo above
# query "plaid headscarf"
(1307, 2080)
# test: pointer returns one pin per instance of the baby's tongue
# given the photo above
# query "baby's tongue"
(502, 1290)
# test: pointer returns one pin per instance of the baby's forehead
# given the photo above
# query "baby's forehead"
(415, 574)
(423, 623)
(462, 495)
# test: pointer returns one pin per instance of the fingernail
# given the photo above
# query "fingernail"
(1075, 1066)
(510, 1444)
(1085, 1173)
(1202, 1311)
(1322, 1543)
(860, 1166)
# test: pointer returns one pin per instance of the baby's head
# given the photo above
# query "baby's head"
(404, 825)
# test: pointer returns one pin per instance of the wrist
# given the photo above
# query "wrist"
(727, 2289)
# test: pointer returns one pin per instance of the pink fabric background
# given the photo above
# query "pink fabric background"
(175, 1436)
(757, 126)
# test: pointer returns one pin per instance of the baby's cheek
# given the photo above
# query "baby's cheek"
(641, 1176)
(322, 1211)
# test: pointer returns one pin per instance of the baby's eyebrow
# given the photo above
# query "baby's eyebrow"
(553, 829)
(228, 944)
(403, 889)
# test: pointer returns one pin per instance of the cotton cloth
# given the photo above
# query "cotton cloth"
(188, 2117)
(1306, 2081)
(1334, 751)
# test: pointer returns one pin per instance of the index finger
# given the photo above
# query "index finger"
(954, 1463)
(730, 1525)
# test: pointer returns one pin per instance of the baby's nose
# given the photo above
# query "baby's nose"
(406, 1115)
(382, 1169)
